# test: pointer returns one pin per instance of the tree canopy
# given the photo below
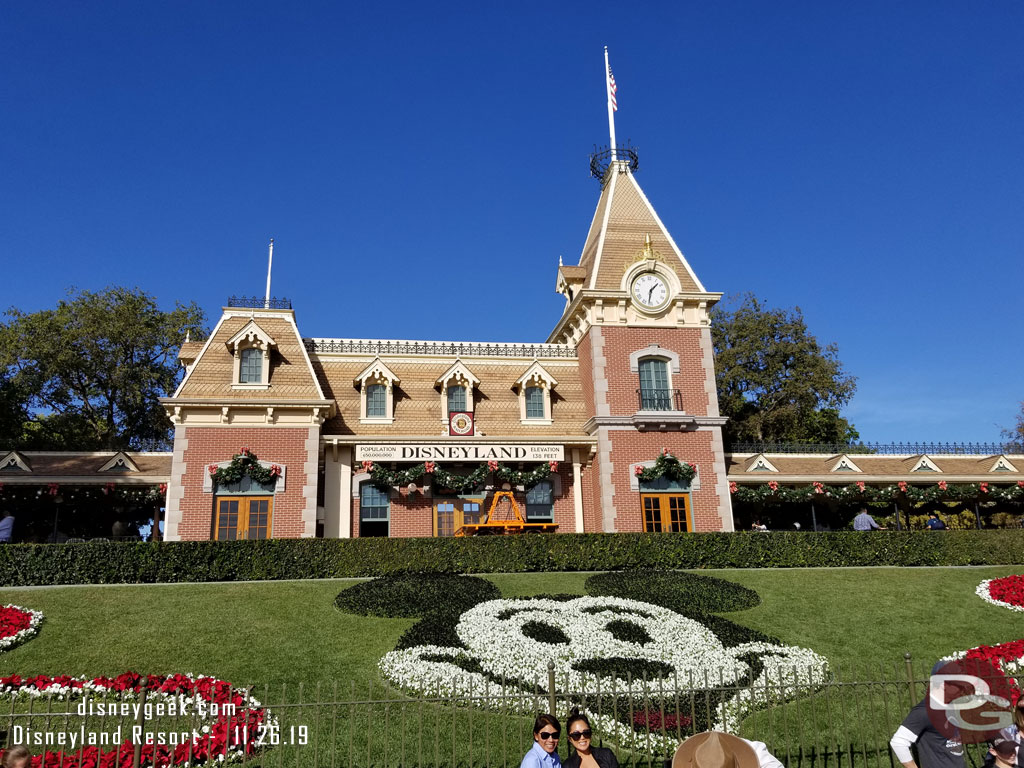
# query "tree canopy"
(1015, 434)
(775, 382)
(88, 374)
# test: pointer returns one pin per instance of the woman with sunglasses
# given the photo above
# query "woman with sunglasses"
(586, 755)
(544, 752)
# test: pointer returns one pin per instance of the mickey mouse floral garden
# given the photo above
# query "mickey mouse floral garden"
(403, 638)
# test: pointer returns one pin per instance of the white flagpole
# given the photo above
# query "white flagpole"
(270, 265)
(611, 110)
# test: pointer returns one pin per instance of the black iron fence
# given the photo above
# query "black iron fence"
(903, 449)
(660, 399)
(808, 718)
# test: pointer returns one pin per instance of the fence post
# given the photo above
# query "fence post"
(551, 688)
(908, 665)
(977, 515)
(140, 720)
(896, 509)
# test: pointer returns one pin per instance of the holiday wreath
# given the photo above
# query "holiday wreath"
(244, 463)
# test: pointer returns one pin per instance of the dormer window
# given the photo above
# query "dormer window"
(377, 388)
(456, 398)
(535, 395)
(535, 403)
(251, 348)
(457, 384)
(376, 400)
(251, 366)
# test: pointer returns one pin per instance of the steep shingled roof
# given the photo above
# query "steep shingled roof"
(623, 219)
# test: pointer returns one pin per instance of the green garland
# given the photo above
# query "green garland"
(941, 491)
(384, 478)
(244, 463)
(667, 464)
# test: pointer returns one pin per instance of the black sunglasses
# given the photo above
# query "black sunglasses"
(549, 734)
(577, 735)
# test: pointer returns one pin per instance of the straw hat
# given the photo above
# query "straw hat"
(713, 749)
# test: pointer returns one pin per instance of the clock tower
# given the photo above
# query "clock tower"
(639, 318)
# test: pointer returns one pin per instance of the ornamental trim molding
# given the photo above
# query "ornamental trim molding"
(14, 459)
(120, 458)
(925, 464)
(535, 375)
(377, 370)
(845, 464)
(1003, 464)
(251, 335)
(653, 350)
(458, 373)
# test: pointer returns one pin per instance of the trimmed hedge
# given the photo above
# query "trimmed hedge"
(411, 595)
(685, 593)
(132, 563)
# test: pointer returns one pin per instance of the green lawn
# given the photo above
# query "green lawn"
(269, 634)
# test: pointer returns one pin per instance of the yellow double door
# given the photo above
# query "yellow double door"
(667, 512)
(243, 517)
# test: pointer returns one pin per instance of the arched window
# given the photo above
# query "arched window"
(456, 398)
(540, 503)
(250, 370)
(376, 400)
(655, 394)
(535, 403)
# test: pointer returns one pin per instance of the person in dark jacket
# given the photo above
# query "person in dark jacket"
(586, 755)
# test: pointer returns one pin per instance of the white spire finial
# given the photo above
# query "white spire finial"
(270, 265)
(560, 260)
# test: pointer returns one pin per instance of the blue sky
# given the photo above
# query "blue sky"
(423, 166)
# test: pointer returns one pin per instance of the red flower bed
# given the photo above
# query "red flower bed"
(229, 734)
(13, 620)
(652, 720)
(1009, 589)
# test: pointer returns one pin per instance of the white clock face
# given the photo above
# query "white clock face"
(649, 290)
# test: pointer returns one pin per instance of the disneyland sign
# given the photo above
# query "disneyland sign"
(416, 452)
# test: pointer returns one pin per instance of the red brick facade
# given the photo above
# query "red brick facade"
(210, 445)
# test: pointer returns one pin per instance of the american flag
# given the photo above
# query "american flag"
(612, 88)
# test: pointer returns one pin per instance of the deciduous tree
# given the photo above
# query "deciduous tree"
(89, 373)
(775, 382)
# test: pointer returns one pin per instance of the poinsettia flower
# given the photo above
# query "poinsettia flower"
(774, 486)
(983, 487)
(429, 467)
(492, 465)
(942, 485)
(733, 487)
(553, 465)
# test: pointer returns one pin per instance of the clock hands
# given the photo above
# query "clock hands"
(650, 292)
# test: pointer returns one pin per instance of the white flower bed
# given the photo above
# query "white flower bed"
(494, 639)
(983, 592)
(36, 618)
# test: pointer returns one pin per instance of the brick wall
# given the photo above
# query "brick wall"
(209, 445)
(413, 514)
(620, 343)
(630, 447)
